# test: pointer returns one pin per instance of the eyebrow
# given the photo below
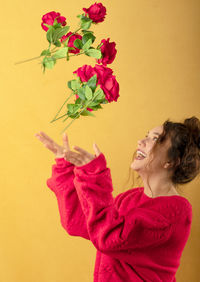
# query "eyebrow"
(154, 133)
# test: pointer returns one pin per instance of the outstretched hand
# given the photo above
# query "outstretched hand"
(83, 157)
(78, 159)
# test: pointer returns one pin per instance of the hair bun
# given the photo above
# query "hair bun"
(193, 126)
(198, 142)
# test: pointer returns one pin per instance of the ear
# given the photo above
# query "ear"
(168, 165)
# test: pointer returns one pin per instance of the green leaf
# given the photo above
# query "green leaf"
(59, 32)
(66, 41)
(92, 82)
(56, 24)
(99, 46)
(71, 48)
(86, 46)
(87, 113)
(45, 52)
(78, 100)
(88, 92)
(99, 94)
(49, 33)
(86, 24)
(78, 43)
(81, 93)
(94, 53)
(69, 84)
(87, 36)
(60, 53)
(93, 104)
(96, 107)
(75, 84)
(48, 25)
(70, 107)
(49, 62)
(73, 108)
(57, 43)
(86, 31)
(85, 18)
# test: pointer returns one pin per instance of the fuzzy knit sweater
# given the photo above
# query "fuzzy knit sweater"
(137, 238)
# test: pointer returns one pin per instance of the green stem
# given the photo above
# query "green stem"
(61, 108)
(48, 49)
(79, 113)
(66, 56)
(33, 58)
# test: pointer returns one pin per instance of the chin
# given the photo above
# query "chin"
(137, 165)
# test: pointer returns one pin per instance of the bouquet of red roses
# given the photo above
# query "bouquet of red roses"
(92, 86)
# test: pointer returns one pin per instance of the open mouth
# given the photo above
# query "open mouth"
(140, 158)
(140, 155)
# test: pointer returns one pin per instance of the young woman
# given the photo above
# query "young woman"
(141, 233)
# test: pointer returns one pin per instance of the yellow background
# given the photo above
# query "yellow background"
(158, 68)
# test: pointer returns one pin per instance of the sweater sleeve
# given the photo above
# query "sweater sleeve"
(61, 183)
(113, 232)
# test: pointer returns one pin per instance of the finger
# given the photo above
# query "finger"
(50, 148)
(50, 145)
(96, 149)
(82, 151)
(74, 161)
(43, 139)
(46, 136)
(66, 141)
(71, 156)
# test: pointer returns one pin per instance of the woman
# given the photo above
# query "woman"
(141, 233)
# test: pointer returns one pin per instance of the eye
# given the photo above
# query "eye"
(153, 138)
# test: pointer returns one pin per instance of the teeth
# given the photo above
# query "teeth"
(141, 154)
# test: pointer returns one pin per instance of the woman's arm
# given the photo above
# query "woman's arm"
(71, 214)
(61, 183)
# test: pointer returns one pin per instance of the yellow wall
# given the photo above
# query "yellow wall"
(157, 67)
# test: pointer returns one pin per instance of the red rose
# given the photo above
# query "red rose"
(101, 72)
(49, 19)
(71, 41)
(107, 82)
(108, 52)
(110, 87)
(85, 72)
(96, 12)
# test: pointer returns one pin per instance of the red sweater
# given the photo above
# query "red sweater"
(137, 238)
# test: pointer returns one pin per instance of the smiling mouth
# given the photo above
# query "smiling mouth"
(140, 158)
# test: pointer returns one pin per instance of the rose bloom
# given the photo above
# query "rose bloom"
(71, 41)
(96, 12)
(85, 72)
(110, 87)
(108, 82)
(105, 79)
(108, 52)
(101, 72)
(50, 17)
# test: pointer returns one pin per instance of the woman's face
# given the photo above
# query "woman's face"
(146, 146)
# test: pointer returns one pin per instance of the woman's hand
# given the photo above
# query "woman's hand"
(78, 159)
(83, 157)
(59, 151)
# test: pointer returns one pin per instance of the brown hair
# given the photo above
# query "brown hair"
(184, 152)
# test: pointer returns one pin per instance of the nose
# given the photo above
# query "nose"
(141, 141)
